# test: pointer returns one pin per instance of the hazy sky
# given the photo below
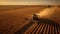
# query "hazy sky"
(29, 2)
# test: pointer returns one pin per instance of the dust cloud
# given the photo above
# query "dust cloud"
(52, 13)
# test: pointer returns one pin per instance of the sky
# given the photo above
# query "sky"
(29, 2)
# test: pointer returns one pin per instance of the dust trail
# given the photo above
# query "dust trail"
(52, 13)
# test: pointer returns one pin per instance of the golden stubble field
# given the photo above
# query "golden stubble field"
(12, 17)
